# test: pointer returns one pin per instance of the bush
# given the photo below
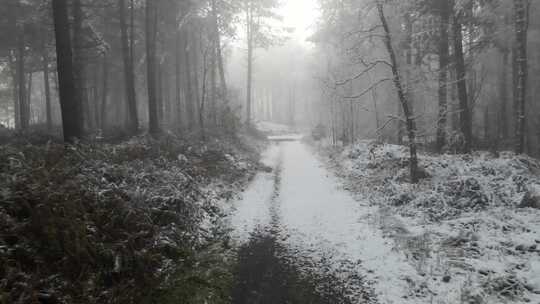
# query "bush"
(114, 223)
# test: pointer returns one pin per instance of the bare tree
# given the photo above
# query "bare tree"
(409, 116)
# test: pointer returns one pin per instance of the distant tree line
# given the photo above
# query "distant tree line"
(452, 75)
(122, 64)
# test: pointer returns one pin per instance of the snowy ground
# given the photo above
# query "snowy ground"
(457, 237)
(321, 221)
(460, 228)
(272, 128)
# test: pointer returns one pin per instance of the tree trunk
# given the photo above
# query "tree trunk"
(189, 96)
(129, 74)
(465, 113)
(47, 86)
(132, 36)
(23, 108)
(203, 97)
(409, 58)
(151, 61)
(15, 93)
(195, 74)
(78, 60)
(104, 92)
(219, 54)
(159, 93)
(178, 79)
(249, 24)
(521, 24)
(213, 86)
(487, 126)
(443, 73)
(410, 121)
(374, 99)
(29, 116)
(69, 104)
(503, 97)
(13, 6)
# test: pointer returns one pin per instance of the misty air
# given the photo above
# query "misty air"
(269, 151)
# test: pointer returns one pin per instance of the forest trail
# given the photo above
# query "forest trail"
(304, 239)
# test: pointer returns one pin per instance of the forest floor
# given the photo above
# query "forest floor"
(135, 221)
(344, 226)
(470, 229)
(303, 239)
(183, 221)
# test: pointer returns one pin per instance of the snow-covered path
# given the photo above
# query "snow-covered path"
(320, 220)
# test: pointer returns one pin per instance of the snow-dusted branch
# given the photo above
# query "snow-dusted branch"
(369, 67)
(371, 87)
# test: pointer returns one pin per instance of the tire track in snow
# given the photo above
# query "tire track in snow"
(327, 224)
(280, 263)
(269, 271)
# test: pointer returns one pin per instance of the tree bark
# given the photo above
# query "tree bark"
(521, 22)
(443, 73)
(249, 24)
(95, 96)
(465, 113)
(28, 103)
(23, 108)
(159, 92)
(203, 97)
(189, 96)
(15, 92)
(219, 54)
(194, 52)
(132, 35)
(409, 59)
(487, 126)
(78, 60)
(178, 79)
(410, 121)
(503, 97)
(129, 74)
(213, 85)
(104, 92)
(69, 104)
(13, 6)
(151, 61)
(47, 86)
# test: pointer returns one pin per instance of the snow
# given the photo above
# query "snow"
(322, 218)
(456, 237)
(271, 127)
(322, 221)
(253, 210)
(286, 137)
(461, 222)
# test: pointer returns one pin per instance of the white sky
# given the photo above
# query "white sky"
(301, 15)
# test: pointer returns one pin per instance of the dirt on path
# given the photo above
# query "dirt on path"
(271, 268)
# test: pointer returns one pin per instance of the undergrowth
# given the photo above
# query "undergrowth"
(117, 223)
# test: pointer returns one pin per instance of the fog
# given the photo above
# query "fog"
(269, 151)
